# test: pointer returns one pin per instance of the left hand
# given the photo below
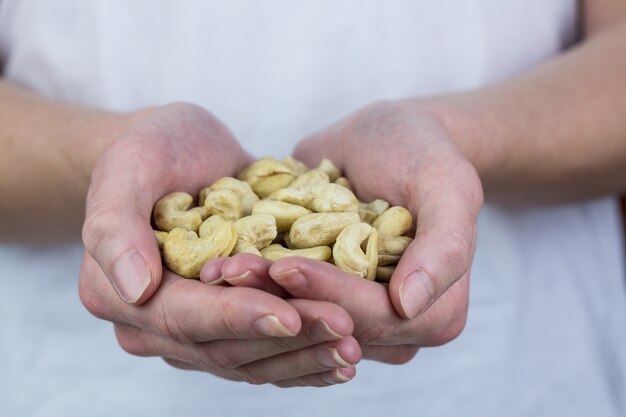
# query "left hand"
(401, 153)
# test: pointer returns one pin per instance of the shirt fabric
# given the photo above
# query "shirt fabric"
(546, 332)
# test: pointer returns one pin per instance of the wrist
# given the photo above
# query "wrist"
(470, 125)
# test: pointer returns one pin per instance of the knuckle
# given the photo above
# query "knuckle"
(168, 323)
(375, 334)
(401, 355)
(249, 377)
(449, 332)
(213, 355)
(456, 257)
(129, 340)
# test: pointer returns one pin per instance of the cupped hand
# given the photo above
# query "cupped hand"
(237, 333)
(402, 153)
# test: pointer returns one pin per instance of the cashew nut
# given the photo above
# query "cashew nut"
(185, 253)
(266, 176)
(349, 256)
(172, 211)
(284, 213)
(370, 211)
(160, 237)
(309, 179)
(343, 181)
(395, 221)
(330, 169)
(223, 203)
(391, 248)
(297, 167)
(383, 273)
(319, 229)
(276, 252)
(247, 197)
(322, 198)
(254, 232)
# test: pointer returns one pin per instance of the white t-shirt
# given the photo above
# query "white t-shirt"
(546, 333)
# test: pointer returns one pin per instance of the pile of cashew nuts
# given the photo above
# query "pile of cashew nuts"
(282, 208)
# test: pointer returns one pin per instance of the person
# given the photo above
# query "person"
(501, 97)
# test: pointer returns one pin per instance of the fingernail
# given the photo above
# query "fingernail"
(336, 377)
(291, 280)
(416, 293)
(331, 358)
(238, 279)
(218, 281)
(320, 330)
(270, 325)
(131, 276)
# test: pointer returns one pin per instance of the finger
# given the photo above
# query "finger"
(324, 144)
(393, 355)
(368, 303)
(322, 322)
(312, 360)
(249, 270)
(211, 272)
(323, 379)
(447, 209)
(191, 311)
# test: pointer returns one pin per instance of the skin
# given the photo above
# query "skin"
(452, 146)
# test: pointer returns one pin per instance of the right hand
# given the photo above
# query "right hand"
(237, 333)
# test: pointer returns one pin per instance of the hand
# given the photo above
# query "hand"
(240, 334)
(402, 153)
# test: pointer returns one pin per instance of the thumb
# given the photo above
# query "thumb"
(325, 144)
(118, 235)
(443, 248)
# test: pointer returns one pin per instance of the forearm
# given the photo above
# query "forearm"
(49, 149)
(558, 130)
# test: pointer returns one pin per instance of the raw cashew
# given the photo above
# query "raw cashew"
(343, 181)
(395, 221)
(266, 176)
(160, 237)
(348, 254)
(370, 211)
(172, 211)
(322, 198)
(330, 169)
(319, 229)
(383, 273)
(392, 245)
(276, 252)
(309, 179)
(254, 232)
(247, 197)
(297, 167)
(284, 213)
(223, 203)
(185, 253)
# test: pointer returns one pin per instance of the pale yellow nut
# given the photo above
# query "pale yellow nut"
(266, 176)
(393, 245)
(309, 179)
(330, 169)
(255, 231)
(247, 197)
(300, 196)
(284, 213)
(276, 252)
(349, 256)
(370, 211)
(218, 226)
(344, 182)
(160, 237)
(384, 259)
(395, 221)
(297, 167)
(384, 273)
(319, 229)
(185, 253)
(224, 203)
(332, 198)
(204, 213)
(173, 211)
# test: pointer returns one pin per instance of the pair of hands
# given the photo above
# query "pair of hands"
(294, 322)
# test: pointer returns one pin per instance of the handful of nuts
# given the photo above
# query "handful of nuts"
(282, 208)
